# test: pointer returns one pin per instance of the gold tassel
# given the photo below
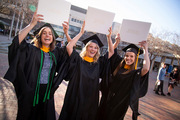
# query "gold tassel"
(137, 59)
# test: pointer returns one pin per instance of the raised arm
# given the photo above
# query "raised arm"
(146, 62)
(65, 29)
(110, 44)
(23, 33)
(117, 41)
(72, 42)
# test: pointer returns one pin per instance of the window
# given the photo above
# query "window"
(72, 19)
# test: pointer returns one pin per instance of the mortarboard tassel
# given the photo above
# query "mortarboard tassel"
(137, 59)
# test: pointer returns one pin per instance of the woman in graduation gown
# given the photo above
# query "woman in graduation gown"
(82, 95)
(126, 83)
(32, 71)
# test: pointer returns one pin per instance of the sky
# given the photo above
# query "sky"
(164, 15)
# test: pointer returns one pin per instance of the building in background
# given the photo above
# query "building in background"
(76, 18)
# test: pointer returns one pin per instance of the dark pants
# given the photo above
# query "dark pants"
(160, 87)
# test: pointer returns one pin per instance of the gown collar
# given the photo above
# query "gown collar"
(88, 59)
(127, 66)
(45, 49)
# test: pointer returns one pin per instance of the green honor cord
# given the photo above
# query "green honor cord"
(36, 96)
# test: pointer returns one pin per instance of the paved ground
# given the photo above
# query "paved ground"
(152, 106)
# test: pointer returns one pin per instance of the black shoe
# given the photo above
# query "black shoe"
(157, 93)
(163, 94)
(169, 94)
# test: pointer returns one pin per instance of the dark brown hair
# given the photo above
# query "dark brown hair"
(37, 39)
(121, 65)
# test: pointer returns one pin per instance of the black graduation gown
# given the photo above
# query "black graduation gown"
(82, 95)
(120, 91)
(24, 64)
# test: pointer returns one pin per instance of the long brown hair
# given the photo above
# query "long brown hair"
(122, 64)
(37, 39)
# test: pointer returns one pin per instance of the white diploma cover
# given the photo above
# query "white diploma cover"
(98, 20)
(54, 11)
(134, 31)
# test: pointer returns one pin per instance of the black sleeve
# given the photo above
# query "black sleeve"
(15, 47)
(103, 61)
(139, 89)
(115, 60)
(14, 52)
(62, 59)
(107, 68)
(105, 74)
(73, 66)
(144, 84)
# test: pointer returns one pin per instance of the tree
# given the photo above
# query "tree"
(17, 9)
(157, 46)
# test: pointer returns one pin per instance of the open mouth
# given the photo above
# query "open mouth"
(47, 39)
(92, 52)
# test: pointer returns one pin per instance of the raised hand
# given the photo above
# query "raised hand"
(118, 38)
(36, 18)
(146, 62)
(65, 27)
(82, 28)
(143, 44)
(110, 32)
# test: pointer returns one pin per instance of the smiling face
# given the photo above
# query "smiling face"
(91, 50)
(129, 58)
(46, 37)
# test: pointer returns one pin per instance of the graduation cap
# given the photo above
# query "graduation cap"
(95, 39)
(46, 25)
(133, 48)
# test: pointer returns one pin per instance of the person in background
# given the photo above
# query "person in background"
(32, 69)
(60, 43)
(172, 79)
(178, 79)
(160, 77)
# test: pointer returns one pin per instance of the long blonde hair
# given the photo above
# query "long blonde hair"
(37, 39)
(122, 64)
(84, 51)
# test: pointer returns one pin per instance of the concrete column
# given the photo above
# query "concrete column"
(163, 59)
(172, 61)
(12, 23)
(22, 20)
(152, 65)
(17, 24)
